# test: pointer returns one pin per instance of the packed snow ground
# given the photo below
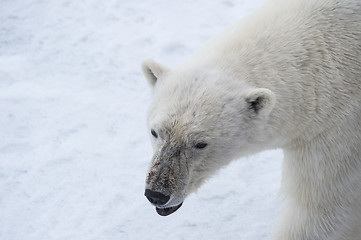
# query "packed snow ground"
(74, 148)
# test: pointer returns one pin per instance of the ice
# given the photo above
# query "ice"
(74, 148)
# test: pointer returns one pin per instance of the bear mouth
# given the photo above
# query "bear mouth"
(168, 210)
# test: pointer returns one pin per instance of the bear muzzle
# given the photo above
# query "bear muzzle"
(159, 200)
(156, 198)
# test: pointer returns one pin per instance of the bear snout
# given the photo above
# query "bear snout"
(156, 198)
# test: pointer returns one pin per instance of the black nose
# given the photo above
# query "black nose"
(156, 198)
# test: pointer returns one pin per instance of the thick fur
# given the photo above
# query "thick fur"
(288, 76)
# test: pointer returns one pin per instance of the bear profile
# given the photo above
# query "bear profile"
(288, 76)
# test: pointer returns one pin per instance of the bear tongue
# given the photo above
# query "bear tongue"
(167, 211)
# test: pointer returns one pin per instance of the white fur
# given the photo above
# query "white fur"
(302, 58)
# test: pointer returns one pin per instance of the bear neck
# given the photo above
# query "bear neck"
(301, 69)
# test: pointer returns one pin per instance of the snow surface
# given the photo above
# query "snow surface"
(74, 148)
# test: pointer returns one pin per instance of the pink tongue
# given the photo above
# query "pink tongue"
(167, 211)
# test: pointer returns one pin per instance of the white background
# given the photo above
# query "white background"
(74, 149)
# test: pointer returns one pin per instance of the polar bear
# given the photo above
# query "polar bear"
(288, 76)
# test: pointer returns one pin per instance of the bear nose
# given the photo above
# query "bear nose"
(156, 198)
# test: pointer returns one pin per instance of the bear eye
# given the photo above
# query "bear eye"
(201, 145)
(154, 133)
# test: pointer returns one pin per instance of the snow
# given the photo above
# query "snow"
(74, 148)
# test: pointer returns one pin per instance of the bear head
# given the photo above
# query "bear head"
(199, 120)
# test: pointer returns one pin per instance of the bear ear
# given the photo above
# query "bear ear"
(153, 71)
(260, 101)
